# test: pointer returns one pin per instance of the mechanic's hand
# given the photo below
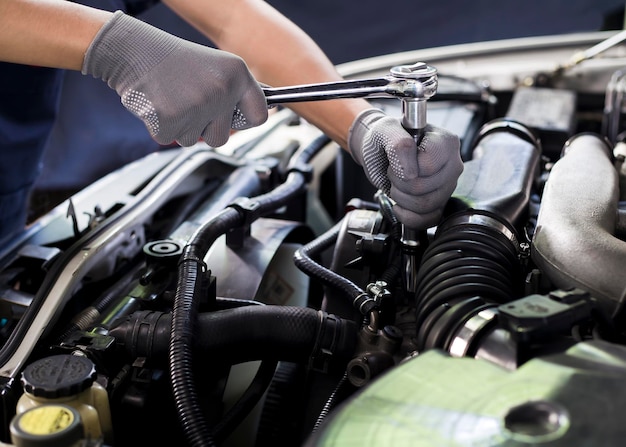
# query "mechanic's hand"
(182, 91)
(419, 180)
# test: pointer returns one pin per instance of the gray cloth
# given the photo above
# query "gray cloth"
(143, 65)
(419, 179)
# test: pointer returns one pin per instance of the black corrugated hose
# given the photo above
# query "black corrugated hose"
(189, 284)
(465, 268)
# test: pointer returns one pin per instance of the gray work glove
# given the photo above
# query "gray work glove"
(182, 91)
(420, 180)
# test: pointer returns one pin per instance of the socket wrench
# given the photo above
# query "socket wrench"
(413, 85)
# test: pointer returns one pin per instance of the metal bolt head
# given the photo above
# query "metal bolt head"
(415, 82)
(418, 71)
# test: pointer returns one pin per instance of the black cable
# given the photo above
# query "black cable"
(343, 389)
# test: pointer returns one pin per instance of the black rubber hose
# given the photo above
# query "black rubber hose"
(222, 303)
(190, 275)
(304, 260)
(184, 315)
(284, 333)
(296, 180)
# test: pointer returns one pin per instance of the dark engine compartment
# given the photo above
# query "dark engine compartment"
(255, 295)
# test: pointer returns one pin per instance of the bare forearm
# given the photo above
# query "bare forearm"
(277, 52)
(49, 33)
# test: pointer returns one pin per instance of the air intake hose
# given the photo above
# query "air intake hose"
(473, 263)
(575, 243)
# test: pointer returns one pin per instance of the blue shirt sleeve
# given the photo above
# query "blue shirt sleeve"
(29, 102)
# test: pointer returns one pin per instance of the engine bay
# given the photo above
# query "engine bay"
(256, 294)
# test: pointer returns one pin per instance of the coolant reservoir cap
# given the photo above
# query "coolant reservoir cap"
(58, 376)
(49, 425)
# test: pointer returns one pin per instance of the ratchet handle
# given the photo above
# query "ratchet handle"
(360, 88)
